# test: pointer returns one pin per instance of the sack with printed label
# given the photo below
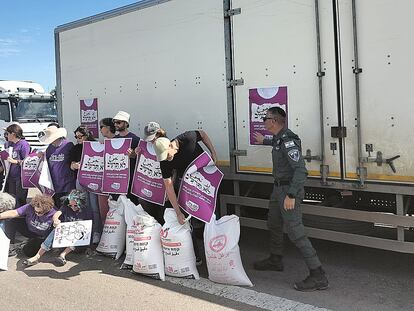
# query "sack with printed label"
(131, 210)
(177, 246)
(112, 241)
(221, 238)
(148, 257)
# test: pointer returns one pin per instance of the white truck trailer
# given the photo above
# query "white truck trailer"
(28, 104)
(347, 69)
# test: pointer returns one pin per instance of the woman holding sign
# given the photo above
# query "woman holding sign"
(175, 156)
(21, 149)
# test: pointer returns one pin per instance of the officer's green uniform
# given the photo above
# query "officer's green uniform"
(289, 172)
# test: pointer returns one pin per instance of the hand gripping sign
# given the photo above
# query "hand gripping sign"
(116, 168)
(41, 178)
(199, 188)
(148, 183)
(89, 115)
(91, 169)
(29, 166)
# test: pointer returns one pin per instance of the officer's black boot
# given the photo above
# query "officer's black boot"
(272, 263)
(315, 281)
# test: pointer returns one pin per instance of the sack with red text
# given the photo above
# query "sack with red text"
(177, 246)
(148, 258)
(221, 238)
(112, 241)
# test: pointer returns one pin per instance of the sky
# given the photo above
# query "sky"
(27, 47)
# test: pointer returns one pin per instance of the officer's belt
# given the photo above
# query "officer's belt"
(279, 183)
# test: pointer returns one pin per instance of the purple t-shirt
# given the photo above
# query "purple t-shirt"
(39, 225)
(63, 177)
(69, 214)
(20, 150)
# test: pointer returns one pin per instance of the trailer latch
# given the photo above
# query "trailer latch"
(232, 12)
(239, 153)
(338, 131)
(231, 83)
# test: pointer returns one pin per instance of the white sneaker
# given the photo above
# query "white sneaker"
(96, 238)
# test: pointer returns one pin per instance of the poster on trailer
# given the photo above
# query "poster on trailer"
(199, 188)
(261, 99)
(89, 115)
(90, 173)
(148, 183)
(116, 166)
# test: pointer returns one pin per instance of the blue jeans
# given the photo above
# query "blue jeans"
(48, 242)
(2, 224)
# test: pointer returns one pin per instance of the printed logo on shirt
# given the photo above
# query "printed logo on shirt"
(294, 154)
(57, 157)
(42, 226)
(14, 155)
(289, 144)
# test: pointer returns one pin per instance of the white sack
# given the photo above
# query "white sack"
(4, 250)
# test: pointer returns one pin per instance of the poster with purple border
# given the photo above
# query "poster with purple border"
(260, 100)
(41, 178)
(90, 173)
(148, 183)
(116, 166)
(199, 188)
(29, 166)
(89, 115)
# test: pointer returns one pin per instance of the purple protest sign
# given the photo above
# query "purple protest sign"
(199, 188)
(29, 166)
(89, 115)
(260, 100)
(91, 169)
(116, 166)
(41, 178)
(148, 183)
(4, 155)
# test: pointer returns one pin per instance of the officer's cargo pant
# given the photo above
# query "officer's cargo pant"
(293, 221)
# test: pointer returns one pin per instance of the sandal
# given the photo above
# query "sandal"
(29, 263)
(61, 260)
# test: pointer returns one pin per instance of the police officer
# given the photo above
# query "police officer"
(289, 174)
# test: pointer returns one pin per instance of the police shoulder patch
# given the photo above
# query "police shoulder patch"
(294, 154)
(289, 144)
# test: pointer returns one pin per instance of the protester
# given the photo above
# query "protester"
(82, 133)
(289, 173)
(33, 220)
(7, 202)
(58, 157)
(176, 156)
(121, 123)
(74, 208)
(21, 149)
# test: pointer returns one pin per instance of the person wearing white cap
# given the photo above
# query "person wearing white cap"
(121, 123)
(58, 159)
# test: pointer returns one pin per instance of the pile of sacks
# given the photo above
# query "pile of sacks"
(157, 251)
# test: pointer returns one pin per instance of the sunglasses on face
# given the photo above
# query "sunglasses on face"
(79, 136)
(117, 122)
(267, 118)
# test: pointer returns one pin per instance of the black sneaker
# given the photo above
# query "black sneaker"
(272, 263)
(315, 281)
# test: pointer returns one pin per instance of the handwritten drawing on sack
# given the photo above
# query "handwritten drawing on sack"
(89, 115)
(74, 233)
(148, 183)
(91, 169)
(260, 100)
(29, 166)
(41, 178)
(116, 166)
(199, 188)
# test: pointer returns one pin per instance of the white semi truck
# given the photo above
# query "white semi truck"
(191, 64)
(26, 103)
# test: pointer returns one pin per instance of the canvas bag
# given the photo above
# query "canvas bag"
(221, 238)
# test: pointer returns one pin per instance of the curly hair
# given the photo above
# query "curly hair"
(7, 202)
(43, 202)
(85, 132)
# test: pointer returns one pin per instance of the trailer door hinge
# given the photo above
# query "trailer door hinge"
(232, 12)
(338, 131)
(231, 83)
(239, 153)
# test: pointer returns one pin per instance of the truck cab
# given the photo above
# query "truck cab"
(29, 105)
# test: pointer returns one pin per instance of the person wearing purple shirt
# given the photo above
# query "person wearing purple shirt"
(74, 208)
(58, 159)
(33, 221)
(21, 149)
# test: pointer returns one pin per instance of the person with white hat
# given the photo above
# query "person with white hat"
(121, 123)
(58, 158)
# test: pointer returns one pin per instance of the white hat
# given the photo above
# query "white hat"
(50, 134)
(122, 116)
(151, 130)
(161, 147)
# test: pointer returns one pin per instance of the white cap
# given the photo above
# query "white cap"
(122, 116)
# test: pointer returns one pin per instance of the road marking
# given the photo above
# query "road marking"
(244, 295)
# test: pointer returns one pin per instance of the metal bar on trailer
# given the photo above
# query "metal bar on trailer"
(400, 211)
